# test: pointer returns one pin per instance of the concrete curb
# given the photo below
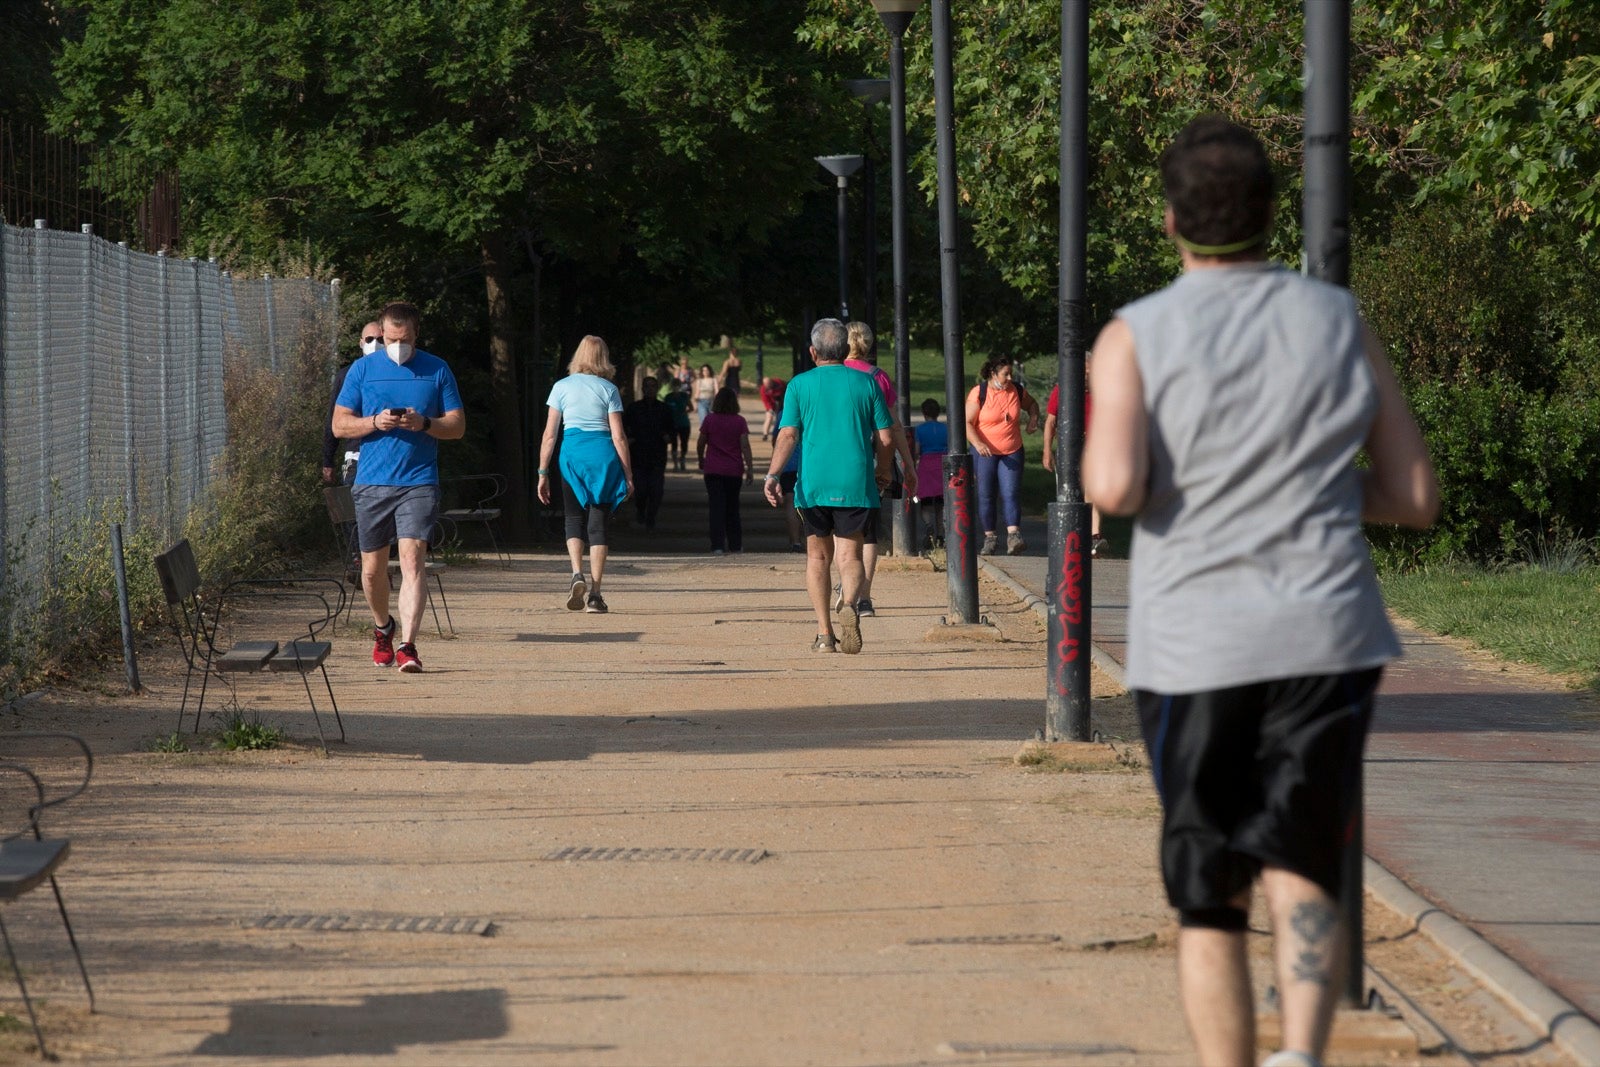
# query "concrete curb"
(1551, 1014)
(1041, 607)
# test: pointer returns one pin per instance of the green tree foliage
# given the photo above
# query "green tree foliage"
(420, 139)
(1485, 118)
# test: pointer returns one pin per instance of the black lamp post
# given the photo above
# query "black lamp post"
(897, 16)
(1068, 576)
(1326, 223)
(961, 550)
(841, 167)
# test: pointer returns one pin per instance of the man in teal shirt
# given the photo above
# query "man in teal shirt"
(831, 413)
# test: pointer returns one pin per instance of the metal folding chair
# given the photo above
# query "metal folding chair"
(28, 859)
(198, 623)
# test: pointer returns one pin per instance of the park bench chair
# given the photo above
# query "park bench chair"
(475, 498)
(342, 513)
(198, 623)
(29, 859)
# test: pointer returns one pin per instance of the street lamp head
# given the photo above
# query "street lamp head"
(896, 14)
(868, 90)
(841, 167)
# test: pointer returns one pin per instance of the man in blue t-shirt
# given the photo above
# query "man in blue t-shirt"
(401, 401)
(831, 414)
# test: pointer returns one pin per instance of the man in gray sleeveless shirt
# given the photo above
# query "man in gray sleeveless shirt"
(1229, 411)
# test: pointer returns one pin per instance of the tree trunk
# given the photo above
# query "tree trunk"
(504, 407)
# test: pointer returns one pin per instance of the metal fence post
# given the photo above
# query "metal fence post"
(42, 335)
(165, 353)
(272, 325)
(125, 349)
(86, 442)
(5, 445)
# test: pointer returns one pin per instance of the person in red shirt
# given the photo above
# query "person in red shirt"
(1051, 407)
(771, 392)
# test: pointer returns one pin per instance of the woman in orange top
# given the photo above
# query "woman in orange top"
(995, 409)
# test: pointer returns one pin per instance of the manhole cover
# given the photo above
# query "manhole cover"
(401, 924)
(659, 855)
(989, 939)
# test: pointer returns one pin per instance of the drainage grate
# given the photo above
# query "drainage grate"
(903, 774)
(989, 939)
(1031, 1049)
(403, 924)
(659, 855)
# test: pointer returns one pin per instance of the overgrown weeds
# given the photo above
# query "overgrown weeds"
(241, 734)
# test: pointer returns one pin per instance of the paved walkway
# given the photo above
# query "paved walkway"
(791, 858)
(1482, 792)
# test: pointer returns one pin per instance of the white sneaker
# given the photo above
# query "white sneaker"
(1288, 1058)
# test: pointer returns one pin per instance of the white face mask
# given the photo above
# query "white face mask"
(399, 351)
(369, 347)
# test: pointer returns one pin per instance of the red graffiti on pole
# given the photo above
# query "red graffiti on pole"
(1069, 601)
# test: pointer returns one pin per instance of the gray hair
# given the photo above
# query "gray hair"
(831, 341)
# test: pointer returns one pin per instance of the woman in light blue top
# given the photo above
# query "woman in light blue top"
(596, 473)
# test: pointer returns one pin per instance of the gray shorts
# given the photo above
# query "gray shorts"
(387, 512)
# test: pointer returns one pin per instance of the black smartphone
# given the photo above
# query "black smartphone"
(397, 412)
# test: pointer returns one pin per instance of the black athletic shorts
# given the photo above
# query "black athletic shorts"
(841, 522)
(1257, 775)
(869, 529)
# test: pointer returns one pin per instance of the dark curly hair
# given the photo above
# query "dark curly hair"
(1217, 180)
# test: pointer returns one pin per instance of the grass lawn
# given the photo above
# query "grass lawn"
(1542, 617)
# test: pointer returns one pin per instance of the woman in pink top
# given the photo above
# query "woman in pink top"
(724, 450)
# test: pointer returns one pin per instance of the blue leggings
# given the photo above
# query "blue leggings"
(1006, 471)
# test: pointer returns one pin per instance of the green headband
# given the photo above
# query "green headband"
(1219, 250)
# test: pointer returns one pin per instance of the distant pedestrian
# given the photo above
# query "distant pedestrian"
(1052, 406)
(864, 357)
(728, 376)
(724, 451)
(336, 467)
(676, 398)
(648, 423)
(402, 402)
(833, 415)
(931, 443)
(995, 422)
(771, 392)
(596, 469)
(1230, 408)
(705, 390)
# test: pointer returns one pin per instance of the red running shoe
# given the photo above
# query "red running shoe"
(406, 656)
(383, 645)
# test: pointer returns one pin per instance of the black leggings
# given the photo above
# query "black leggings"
(578, 516)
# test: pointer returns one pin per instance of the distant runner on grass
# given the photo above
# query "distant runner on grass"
(1229, 411)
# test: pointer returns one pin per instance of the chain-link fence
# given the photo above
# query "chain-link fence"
(111, 384)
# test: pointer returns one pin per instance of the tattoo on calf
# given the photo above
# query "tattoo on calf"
(1313, 924)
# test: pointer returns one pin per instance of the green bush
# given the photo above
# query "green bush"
(1498, 349)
